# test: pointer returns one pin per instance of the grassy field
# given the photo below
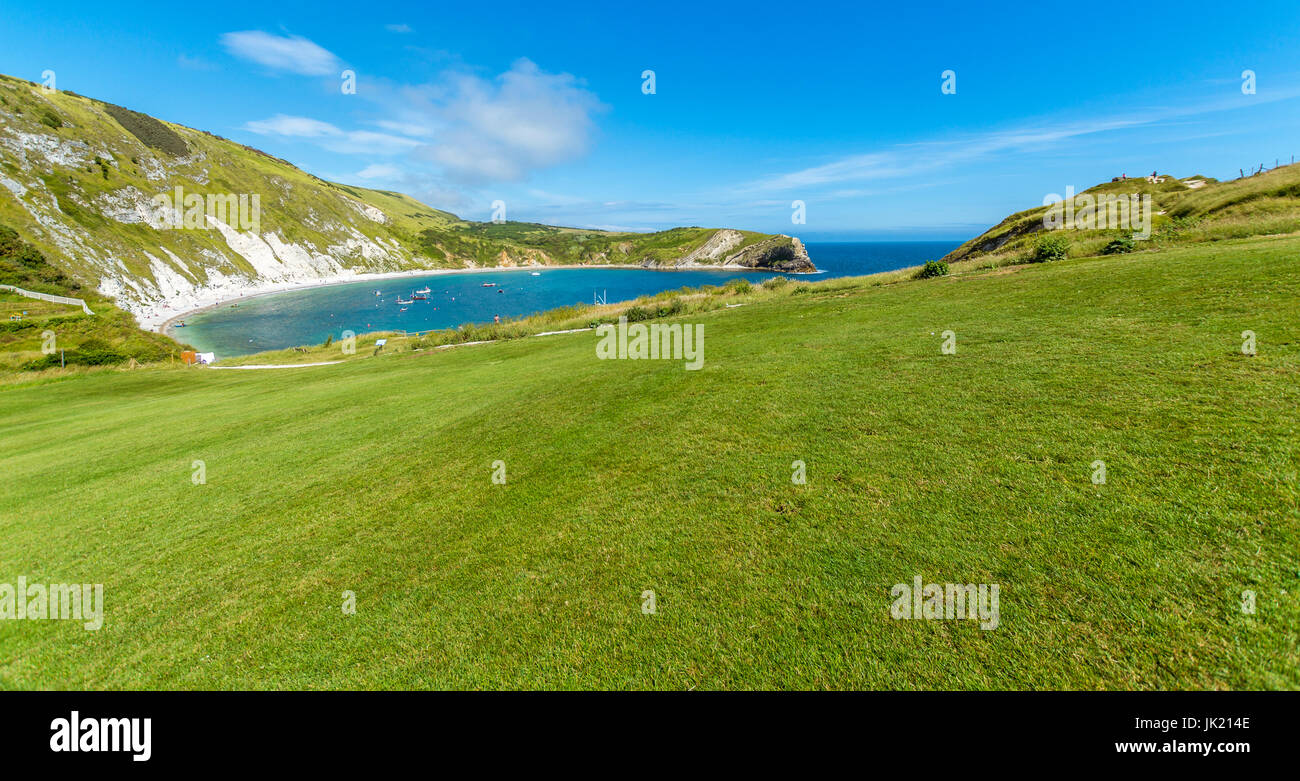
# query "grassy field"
(374, 476)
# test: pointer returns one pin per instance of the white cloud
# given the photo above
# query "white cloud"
(194, 63)
(405, 128)
(368, 141)
(379, 171)
(331, 137)
(299, 127)
(929, 156)
(291, 52)
(913, 159)
(398, 28)
(506, 128)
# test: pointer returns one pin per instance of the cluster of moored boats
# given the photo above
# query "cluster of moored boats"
(423, 295)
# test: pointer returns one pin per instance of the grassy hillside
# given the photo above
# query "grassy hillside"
(1187, 211)
(110, 336)
(374, 476)
(77, 177)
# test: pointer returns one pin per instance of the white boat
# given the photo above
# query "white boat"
(537, 273)
(400, 301)
(424, 290)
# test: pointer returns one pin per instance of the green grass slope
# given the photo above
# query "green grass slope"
(374, 476)
(110, 336)
(1187, 211)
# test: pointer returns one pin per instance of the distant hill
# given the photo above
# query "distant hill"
(78, 177)
(1185, 211)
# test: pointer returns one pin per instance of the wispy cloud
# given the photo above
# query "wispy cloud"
(332, 137)
(298, 127)
(405, 128)
(379, 171)
(911, 159)
(195, 63)
(398, 28)
(291, 52)
(903, 160)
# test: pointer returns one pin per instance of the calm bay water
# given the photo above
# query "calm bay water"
(302, 317)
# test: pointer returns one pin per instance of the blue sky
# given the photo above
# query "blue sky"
(541, 105)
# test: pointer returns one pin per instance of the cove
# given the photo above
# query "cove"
(312, 315)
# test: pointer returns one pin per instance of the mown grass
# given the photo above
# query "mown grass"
(374, 476)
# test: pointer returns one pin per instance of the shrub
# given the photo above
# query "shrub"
(637, 314)
(775, 283)
(1051, 247)
(738, 286)
(932, 268)
(91, 352)
(1119, 246)
(42, 363)
(150, 131)
(672, 309)
(48, 117)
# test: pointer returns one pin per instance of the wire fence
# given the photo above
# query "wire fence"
(1277, 163)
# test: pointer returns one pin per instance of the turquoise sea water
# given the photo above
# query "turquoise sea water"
(302, 317)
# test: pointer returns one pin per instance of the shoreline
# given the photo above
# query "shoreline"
(217, 299)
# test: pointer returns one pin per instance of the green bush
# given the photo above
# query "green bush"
(1120, 246)
(932, 268)
(50, 118)
(775, 283)
(738, 285)
(1051, 247)
(150, 131)
(674, 308)
(91, 352)
(42, 363)
(637, 314)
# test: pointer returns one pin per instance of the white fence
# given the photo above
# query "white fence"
(50, 298)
